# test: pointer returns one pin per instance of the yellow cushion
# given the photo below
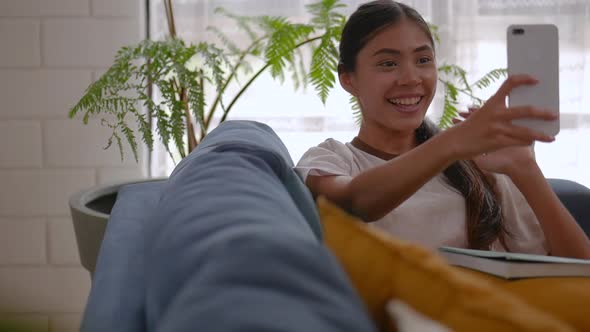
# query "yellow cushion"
(567, 298)
(382, 267)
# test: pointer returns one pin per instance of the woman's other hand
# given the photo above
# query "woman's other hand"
(508, 160)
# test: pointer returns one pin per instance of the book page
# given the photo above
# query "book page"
(515, 256)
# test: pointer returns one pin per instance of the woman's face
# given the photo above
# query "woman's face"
(395, 78)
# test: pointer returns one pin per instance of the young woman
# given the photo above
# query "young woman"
(475, 185)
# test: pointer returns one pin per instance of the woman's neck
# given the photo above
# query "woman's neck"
(392, 142)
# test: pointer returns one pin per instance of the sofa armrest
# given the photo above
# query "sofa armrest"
(576, 198)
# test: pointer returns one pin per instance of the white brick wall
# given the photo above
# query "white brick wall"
(43, 8)
(114, 8)
(40, 93)
(61, 150)
(62, 243)
(20, 42)
(43, 289)
(86, 41)
(50, 52)
(25, 153)
(41, 192)
(110, 175)
(23, 241)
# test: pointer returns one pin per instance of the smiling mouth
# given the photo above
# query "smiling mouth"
(406, 104)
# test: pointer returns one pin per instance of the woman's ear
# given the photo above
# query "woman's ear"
(347, 82)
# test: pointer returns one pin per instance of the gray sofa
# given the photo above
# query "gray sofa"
(230, 242)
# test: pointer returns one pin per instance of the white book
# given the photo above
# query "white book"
(514, 265)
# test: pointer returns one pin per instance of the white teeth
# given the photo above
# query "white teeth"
(405, 101)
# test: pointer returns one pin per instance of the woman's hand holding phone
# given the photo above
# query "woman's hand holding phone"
(490, 128)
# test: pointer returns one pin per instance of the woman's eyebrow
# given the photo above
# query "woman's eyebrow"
(398, 52)
(423, 48)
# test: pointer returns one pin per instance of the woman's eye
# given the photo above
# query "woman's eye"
(424, 59)
(388, 64)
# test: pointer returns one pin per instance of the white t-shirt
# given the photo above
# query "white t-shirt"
(436, 214)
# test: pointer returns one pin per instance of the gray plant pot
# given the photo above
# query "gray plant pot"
(91, 209)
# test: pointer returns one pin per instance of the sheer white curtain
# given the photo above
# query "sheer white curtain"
(473, 34)
(477, 33)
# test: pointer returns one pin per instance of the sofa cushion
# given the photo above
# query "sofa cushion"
(382, 267)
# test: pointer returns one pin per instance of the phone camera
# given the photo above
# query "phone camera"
(518, 31)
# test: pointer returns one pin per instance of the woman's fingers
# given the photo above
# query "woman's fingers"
(531, 112)
(510, 83)
(464, 115)
(508, 141)
(525, 134)
(491, 126)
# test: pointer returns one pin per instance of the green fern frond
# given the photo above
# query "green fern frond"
(144, 123)
(325, 14)
(282, 43)
(356, 110)
(130, 136)
(215, 62)
(119, 143)
(225, 40)
(435, 34)
(240, 64)
(124, 85)
(302, 69)
(298, 70)
(324, 64)
(245, 67)
(491, 77)
(244, 23)
(177, 130)
(335, 31)
(114, 135)
(163, 127)
(450, 110)
(457, 73)
(295, 73)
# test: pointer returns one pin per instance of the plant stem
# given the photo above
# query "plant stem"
(202, 127)
(226, 84)
(182, 93)
(225, 113)
(170, 18)
(258, 74)
(190, 129)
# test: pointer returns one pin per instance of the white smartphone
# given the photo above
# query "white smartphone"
(533, 49)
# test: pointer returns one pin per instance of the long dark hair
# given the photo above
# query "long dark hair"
(485, 222)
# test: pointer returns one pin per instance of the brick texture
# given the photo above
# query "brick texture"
(50, 51)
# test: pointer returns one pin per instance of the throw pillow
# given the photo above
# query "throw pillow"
(382, 268)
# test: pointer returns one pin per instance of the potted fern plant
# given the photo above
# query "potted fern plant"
(161, 88)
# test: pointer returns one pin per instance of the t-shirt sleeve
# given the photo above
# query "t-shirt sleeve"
(525, 232)
(328, 158)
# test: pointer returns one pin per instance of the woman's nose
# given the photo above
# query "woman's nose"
(409, 76)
